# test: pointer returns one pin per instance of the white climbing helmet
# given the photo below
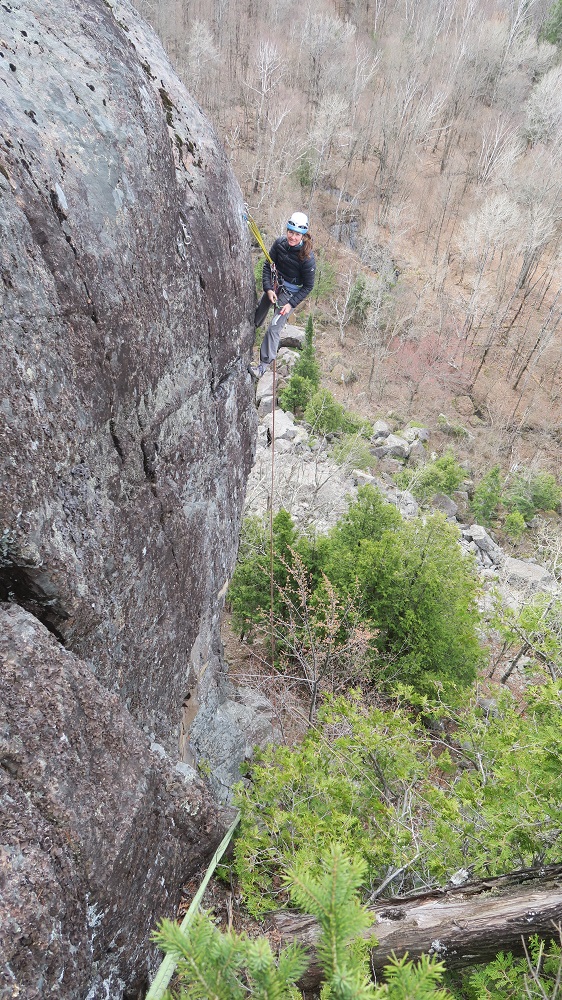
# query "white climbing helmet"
(298, 223)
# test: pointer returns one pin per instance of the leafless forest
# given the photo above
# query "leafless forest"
(425, 141)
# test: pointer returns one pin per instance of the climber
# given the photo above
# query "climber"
(287, 280)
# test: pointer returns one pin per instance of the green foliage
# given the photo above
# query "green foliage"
(331, 897)
(535, 629)
(353, 450)
(377, 782)
(359, 300)
(487, 496)
(297, 393)
(305, 172)
(514, 525)
(325, 280)
(305, 378)
(324, 414)
(520, 492)
(258, 271)
(545, 492)
(249, 593)
(418, 592)
(528, 494)
(327, 416)
(552, 29)
(406, 981)
(213, 965)
(453, 430)
(444, 475)
(216, 965)
(509, 978)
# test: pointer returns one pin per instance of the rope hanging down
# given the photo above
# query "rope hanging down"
(168, 965)
(253, 227)
(258, 237)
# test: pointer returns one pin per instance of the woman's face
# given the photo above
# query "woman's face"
(293, 239)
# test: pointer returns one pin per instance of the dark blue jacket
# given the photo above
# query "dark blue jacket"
(289, 267)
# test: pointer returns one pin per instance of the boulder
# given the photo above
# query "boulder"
(412, 434)
(392, 446)
(417, 454)
(265, 406)
(285, 428)
(265, 385)
(225, 734)
(446, 505)
(526, 576)
(292, 336)
(482, 543)
(380, 430)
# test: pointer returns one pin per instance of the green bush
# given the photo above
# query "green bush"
(359, 300)
(258, 271)
(305, 377)
(514, 525)
(444, 475)
(508, 977)
(249, 595)
(327, 416)
(418, 592)
(487, 497)
(528, 494)
(545, 492)
(355, 771)
(324, 413)
(353, 450)
(552, 29)
(297, 393)
(453, 430)
(520, 493)
(225, 965)
(305, 171)
(325, 280)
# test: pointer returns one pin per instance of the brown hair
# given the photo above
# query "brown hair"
(307, 245)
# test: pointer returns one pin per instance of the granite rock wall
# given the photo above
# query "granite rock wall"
(127, 430)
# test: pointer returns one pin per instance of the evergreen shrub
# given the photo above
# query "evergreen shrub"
(417, 590)
(444, 475)
(377, 782)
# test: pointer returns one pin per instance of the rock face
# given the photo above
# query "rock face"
(126, 436)
(84, 804)
(127, 421)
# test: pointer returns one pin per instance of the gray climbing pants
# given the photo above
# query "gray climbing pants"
(270, 342)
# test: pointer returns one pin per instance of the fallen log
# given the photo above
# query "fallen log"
(462, 925)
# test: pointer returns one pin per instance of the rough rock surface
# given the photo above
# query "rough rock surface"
(84, 803)
(127, 431)
(127, 417)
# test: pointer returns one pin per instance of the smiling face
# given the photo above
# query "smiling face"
(293, 239)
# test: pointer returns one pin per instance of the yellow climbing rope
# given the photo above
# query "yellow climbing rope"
(258, 236)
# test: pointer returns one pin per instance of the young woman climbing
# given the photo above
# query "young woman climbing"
(286, 282)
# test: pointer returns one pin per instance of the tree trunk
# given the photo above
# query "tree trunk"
(465, 925)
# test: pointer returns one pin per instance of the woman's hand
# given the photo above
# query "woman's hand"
(272, 296)
(285, 310)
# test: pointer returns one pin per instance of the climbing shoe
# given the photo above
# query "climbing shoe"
(256, 371)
